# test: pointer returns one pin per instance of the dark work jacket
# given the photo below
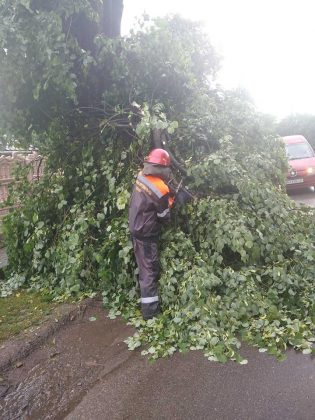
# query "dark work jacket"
(149, 207)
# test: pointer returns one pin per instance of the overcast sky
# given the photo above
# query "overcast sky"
(267, 45)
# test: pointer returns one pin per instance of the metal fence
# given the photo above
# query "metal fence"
(8, 161)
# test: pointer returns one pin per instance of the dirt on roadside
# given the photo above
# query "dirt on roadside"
(53, 378)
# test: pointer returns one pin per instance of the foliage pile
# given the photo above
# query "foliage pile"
(237, 262)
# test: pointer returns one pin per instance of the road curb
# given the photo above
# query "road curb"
(17, 348)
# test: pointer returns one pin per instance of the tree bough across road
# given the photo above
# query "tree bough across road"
(238, 261)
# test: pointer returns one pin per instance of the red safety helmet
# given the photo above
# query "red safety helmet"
(159, 157)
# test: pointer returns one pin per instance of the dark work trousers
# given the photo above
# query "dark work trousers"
(147, 256)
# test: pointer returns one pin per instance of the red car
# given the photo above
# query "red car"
(301, 158)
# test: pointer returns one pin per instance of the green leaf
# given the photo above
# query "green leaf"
(62, 204)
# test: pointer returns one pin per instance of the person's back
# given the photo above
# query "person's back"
(149, 206)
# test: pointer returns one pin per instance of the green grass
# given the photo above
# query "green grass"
(22, 310)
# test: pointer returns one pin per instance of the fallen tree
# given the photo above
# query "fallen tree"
(237, 262)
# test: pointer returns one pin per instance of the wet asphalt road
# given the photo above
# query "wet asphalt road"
(86, 372)
(305, 196)
(189, 387)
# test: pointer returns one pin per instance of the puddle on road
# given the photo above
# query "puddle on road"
(59, 374)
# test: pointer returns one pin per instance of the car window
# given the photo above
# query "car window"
(298, 151)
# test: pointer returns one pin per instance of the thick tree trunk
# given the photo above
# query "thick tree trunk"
(110, 13)
(111, 18)
(85, 31)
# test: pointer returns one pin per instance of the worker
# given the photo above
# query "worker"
(150, 206)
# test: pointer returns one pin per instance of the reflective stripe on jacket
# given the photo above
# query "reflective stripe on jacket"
(149, 206)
